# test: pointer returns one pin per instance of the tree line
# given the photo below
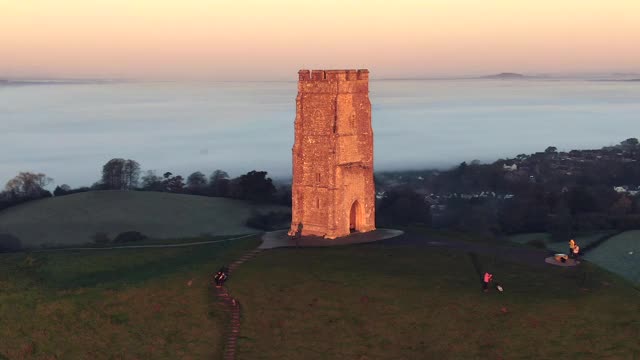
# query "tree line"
(563, 193)
(125, 174)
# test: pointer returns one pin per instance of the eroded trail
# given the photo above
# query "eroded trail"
(233, 307)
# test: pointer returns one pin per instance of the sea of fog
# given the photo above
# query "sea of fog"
(68, 131)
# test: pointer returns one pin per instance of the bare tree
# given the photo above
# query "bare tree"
(28, 184)
(61, 190)
(219, 183)
(217, 176)
(120, 174)
(196, 182)
(112, 174)
(173, 183)
(131, 174)
(151, 181)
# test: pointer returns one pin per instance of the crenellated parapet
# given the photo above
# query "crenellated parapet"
(341, 75)
(338, 81)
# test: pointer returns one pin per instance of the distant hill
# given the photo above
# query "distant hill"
(617, 80)
(75, 219)
(631, 74)
(24, 82)
(506, 76)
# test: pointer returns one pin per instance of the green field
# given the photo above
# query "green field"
(386, 302)
(370, 301)
(612, 254)
(76, 219)
(583, 239)
(114, 304)
(620, 254)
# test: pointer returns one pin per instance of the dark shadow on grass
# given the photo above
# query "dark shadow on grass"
(476, 266)
(476, 263)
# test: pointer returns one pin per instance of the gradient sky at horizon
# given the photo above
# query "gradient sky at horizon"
(271, 40)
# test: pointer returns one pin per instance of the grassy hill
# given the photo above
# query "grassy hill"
(75, 219)
(374, 301)
(401, 302)
(114, 304)
(620, 254)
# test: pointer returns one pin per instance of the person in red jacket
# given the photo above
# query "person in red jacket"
(486, 280)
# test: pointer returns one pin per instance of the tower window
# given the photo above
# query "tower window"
(318, 203)
(318, 177)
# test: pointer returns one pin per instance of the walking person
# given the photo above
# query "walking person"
(221, 276)
(486, 280)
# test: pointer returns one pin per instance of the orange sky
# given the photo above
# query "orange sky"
(272, 39)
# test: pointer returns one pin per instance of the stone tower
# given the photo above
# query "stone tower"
(333, 192)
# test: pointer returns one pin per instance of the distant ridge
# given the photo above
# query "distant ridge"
(618, 80)
(505, 75)
(34, 81)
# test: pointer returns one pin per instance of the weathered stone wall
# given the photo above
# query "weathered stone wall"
(333, 154)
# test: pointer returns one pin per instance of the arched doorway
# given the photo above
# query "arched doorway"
(355, 217)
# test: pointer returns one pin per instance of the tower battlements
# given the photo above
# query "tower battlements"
(333, 81)
(328, 75)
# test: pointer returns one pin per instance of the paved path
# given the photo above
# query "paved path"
(277, 239)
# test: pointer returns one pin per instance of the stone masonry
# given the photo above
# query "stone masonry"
(333, 191)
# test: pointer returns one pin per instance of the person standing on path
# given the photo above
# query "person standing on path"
(298, 234)
(572, 244)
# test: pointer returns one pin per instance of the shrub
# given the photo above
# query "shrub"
(129, 236)
(9, 243)
(64, 189)
(9, 198)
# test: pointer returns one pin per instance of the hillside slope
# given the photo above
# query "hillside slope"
(75, 219)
